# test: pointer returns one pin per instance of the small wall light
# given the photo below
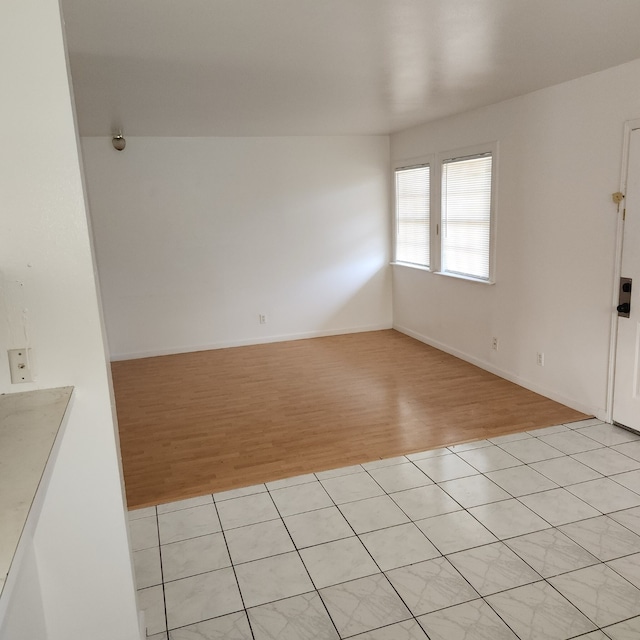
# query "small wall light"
(118, 141)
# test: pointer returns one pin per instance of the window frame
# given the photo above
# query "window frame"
(435, 162)
(431, 161)
(422, 161)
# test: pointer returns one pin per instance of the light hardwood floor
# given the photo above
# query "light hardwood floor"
(210, 421)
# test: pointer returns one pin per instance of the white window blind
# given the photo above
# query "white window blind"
(466, 216)
(412, 215)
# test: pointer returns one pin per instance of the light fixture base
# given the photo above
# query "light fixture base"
(119, 143)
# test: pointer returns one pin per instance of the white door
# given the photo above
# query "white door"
(626, 394)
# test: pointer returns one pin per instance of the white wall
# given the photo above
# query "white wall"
(24, 619)
(559, 161)
(49, 303)
(197, 236)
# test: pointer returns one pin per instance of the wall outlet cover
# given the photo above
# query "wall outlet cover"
(20, 366)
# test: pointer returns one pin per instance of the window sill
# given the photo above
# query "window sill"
(467, 278)
(410, 266)
(417, 267)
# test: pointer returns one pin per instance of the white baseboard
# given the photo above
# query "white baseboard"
(244, 343)
(507, 375)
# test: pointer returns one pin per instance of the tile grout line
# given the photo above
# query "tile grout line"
(316, 590)
(554, 527)
(164, 597)
(357, 536)
(235, 575)
(415, 617)
(370, 554)
(444, 557)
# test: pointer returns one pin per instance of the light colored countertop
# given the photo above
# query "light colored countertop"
(29, 424)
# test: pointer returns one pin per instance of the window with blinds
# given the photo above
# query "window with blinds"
(466, 216)
(412, 215)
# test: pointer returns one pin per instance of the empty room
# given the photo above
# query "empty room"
(318, 320)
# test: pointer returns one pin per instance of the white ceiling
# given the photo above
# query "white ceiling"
(326, 67)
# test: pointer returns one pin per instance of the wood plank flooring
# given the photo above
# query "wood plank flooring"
(210, 421)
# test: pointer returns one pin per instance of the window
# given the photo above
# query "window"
(466, 216)
(412, 215)
(449, 232)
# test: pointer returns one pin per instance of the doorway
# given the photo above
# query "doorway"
(626, 386)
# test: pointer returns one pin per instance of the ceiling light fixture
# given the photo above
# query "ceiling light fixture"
(118, 141)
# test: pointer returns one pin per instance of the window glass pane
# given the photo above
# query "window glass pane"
(466, 216)
(412, 215)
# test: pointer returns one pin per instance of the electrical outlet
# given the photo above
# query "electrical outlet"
(494, 344)
(540, 359)
(19, 366)
(262, 318)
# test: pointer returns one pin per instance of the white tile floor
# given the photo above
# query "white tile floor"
(530, 536)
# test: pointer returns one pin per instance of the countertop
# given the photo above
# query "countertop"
(29, 424)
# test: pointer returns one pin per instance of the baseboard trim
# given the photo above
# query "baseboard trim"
(152, 353)
(598, 412)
